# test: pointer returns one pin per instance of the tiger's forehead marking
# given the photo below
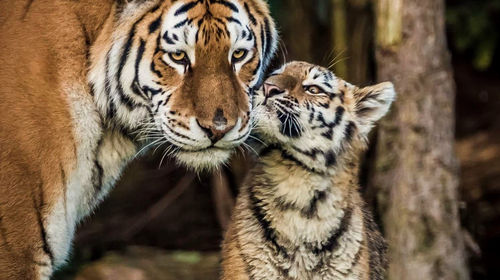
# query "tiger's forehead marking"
(207, 21)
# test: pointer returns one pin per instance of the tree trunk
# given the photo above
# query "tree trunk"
(360, 30)
(297, 29)
(415, 170)
(339, 38)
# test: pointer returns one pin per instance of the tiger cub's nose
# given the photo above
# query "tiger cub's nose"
(217, 128)
(271, 90)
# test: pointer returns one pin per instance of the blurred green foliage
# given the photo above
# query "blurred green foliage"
(473, 25)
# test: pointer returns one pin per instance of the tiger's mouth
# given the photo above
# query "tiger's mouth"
(196, 151)
(202, 158)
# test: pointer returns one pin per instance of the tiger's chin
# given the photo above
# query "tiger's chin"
(204, 160)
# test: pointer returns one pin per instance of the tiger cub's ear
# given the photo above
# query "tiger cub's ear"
(372, 103)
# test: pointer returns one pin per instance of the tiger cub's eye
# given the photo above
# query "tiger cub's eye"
(179, 57)
(313, 90)
(239, 55)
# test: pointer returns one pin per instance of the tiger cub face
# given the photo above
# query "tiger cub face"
(188, 69)
(315, 117)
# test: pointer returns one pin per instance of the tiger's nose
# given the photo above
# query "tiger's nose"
(217, 128)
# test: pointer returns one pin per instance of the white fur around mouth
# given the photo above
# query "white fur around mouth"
(203, 160)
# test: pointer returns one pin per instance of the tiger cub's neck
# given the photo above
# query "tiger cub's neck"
(303, 207)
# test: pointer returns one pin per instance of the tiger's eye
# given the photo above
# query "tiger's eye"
(313, 90)
(239, 54)
(178, 56)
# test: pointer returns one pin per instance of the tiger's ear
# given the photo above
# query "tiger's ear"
(372, 103)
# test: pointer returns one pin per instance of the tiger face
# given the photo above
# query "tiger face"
(184, 72)
(315, 117)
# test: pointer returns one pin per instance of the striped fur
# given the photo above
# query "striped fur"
(300, 214)
(87, 85)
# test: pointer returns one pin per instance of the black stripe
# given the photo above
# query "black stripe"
(152, 91)
(311, 114)
(330, 159)
(92, 88)
(158, 46)
(167, 39)
(180, 24)
(65, 190)
(312, 209)
(87, 40)
(232, 19)
(369, 95)
(325, 105)
(3, 235)
(111, 111)
(129, 103)
(154, 70)
(330, 75)
(269, 41)
(333, 241)
(349, 131)
(225, 3)
(27, 8)
(43, 233)
(97, 171)
(263, 43)
(341, 96)
(136, 86)
(328, 134)
(290, 157)
(269, 231)
(339, 113)
(98, 176)
(186, 7)
(312, 153)
(250, 15)
(153, 27)
(308, 212)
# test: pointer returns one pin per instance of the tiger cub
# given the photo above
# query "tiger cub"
(300, 214)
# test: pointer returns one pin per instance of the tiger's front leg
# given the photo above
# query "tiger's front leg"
(32, 233)
(24, 249)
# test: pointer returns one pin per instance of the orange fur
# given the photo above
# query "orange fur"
(41, 46)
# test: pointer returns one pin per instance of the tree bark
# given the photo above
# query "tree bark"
(415, 170)
(339, 38)
(360, 48)
(297, 29)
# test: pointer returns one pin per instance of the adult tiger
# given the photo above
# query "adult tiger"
(79, 80)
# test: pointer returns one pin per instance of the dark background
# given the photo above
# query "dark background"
(165, 209)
